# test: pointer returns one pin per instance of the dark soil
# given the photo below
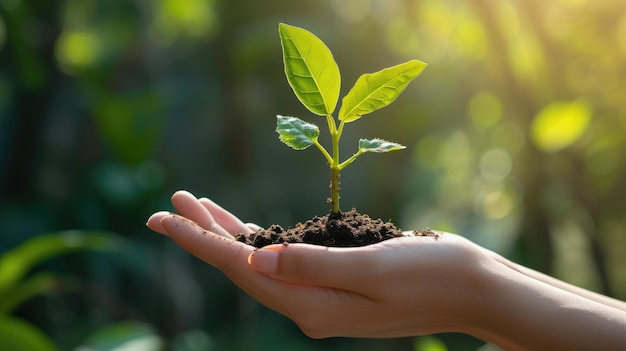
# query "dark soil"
(348, 230)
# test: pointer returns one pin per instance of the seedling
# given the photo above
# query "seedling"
(314, 77)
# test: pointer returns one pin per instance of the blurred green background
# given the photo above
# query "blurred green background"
(515, 135)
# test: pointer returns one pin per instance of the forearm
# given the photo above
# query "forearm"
(609, 301)
(518, 312)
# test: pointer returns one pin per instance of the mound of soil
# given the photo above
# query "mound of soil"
(348, 229)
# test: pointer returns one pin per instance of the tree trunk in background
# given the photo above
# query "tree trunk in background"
(32, 78)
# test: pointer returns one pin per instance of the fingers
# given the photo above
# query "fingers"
(188, 206)
(206, 213)
(215, 249)
(342, 268)
(224, 218)
(154, 222)
(231, 257)
(253, 227)
(225, 254)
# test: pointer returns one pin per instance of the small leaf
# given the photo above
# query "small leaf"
(378, 145)
(296, 133)
(311, 69)
(377, 90)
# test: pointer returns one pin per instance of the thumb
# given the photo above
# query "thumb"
(305, 264)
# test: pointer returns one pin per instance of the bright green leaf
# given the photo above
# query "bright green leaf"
(19, 335)
(378, 145)
(296, 133)
(560, 124)
(377, 90)
(311, 69)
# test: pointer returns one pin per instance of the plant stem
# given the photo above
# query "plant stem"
(334, 190)
(350, 160)
(334, 165)
(327, 156)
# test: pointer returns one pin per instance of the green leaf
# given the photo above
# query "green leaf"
(378, 145)
(311, 69)
(19, 335)
(38, 284)
(377, 90)
(16, 263)
(296, 133)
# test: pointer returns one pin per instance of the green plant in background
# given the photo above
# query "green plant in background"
(17, 286)
(314, 77)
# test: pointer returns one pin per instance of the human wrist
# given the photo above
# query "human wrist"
(481, 310)
(466, 283)
(511, 310)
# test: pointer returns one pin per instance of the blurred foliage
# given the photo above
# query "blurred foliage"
(429, 343)
(19, 335)
(515, 137)
(16, 286)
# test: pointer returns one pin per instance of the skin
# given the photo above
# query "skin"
(400, 287)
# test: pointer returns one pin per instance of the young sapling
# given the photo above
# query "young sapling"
(314, 77)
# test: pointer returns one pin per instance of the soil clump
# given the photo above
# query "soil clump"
(348, 229)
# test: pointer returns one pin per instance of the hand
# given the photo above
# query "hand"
(400, 287)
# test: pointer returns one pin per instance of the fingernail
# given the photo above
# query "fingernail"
(156, 215)
(264, 261)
